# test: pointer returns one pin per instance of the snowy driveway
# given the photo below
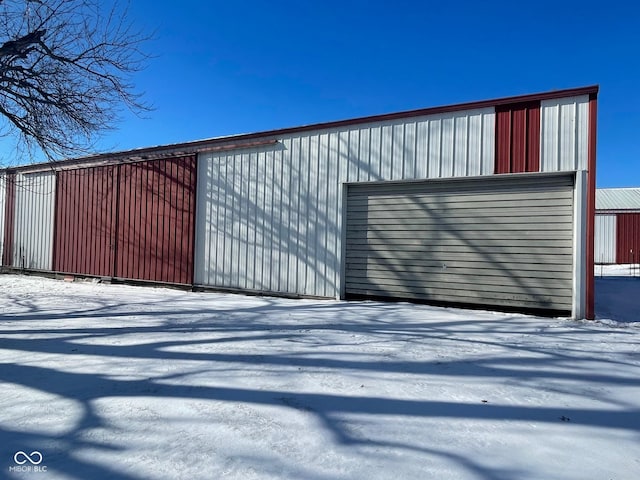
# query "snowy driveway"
(131, 383)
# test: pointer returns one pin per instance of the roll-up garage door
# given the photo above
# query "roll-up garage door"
(495, 241)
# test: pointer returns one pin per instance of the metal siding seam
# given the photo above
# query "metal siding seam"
(460, 129)
(580, 245)
(61, 226)
(261, 224)
(243, 280)
(320, 256)
(159, 196)
(170, 205)
(51, 213)
(421, 149)
(568, 137)
(605, 239)
(3, 193)
(107, 220)
(9, 218)
(193, 181)
(448, 147)
(283, 207)
(164, 175)
(519, 140)
(268, 221)
(93, 237)
(488, 142)
(591, 207)
(161, 183)
(295, 158)
(397, 153)
(274, 228)
(583, 135)
(201, 251)
(473, 146)
(503, 141)
(533, 138)
(342, 172)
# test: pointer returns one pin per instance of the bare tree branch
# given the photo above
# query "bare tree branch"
(66, 70)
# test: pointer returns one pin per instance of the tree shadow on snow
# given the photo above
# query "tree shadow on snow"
(267, 320)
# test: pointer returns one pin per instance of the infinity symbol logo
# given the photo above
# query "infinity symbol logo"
(35, 458)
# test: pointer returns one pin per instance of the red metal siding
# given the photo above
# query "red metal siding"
(133, 221)
(9, 219)
(628, 238)
(518, 138)
(156, 214)
(85, 221)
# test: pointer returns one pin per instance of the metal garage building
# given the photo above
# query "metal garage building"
(487, 203)
(617, 226)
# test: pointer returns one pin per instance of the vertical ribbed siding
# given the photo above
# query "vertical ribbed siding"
(518, 138)
(9, 219)
(33, 241)
(3, 193)
(85, 221)
(605, 239)
(564, 141)
(270, 219)
(156, 205)
(628, 238)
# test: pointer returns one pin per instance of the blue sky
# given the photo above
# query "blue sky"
(232, 67)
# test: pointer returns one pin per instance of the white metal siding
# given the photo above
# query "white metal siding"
(270, 219)
(564, 138)
(33, 234)
(618, 199)
(504, 241)
(605, 239)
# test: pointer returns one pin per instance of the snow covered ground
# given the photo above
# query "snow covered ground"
(108, 381)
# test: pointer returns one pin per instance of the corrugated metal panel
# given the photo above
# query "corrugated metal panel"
(85, 221)
(9, 219)
(503, 241)
(628, 238)
(618, 199)
(270, 219)
(564, 140)
(156, 205)
(33, 240)
(518, 138)
(605, 239)
(3, 193)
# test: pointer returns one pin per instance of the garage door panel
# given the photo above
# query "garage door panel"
(496, 257)
(485, 253)
(464, 297)
(362, 270)
(465, 281)
(419, 203)
(562, 233)
(518, 252)
(480, 242)
(436, 289)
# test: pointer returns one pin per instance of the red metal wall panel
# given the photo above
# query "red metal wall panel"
(518, 138)
(628, 238)
(85, 230)
(156, 215)
(9, 219)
